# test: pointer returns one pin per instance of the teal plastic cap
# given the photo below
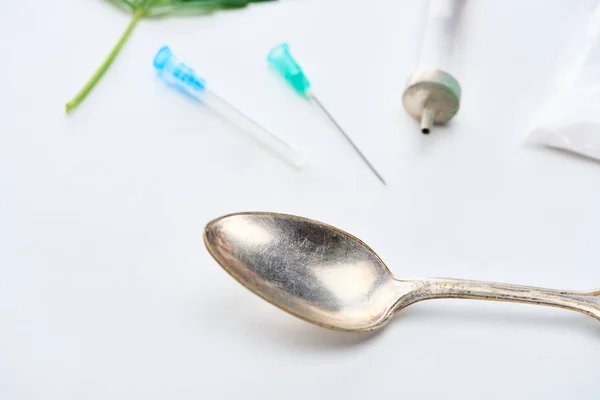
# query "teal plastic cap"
(280, 58)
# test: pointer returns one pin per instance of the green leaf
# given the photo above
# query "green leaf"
(152, 8)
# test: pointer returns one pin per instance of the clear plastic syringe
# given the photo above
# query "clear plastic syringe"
(183, 78)
(432, 94)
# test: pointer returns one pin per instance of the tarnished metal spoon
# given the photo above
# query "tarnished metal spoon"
(330, 278)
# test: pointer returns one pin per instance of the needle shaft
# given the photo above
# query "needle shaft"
(339, 128)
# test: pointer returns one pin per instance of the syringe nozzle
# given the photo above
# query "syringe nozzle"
(427, 119)
(432, 97)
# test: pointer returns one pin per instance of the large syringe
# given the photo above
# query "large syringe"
(432, 94)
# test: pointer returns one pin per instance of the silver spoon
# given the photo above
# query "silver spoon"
(332, 279)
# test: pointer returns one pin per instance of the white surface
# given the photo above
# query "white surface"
(107, 292)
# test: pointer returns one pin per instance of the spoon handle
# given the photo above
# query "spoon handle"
(584, 302)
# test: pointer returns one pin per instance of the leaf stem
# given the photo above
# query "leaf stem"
(87, 88)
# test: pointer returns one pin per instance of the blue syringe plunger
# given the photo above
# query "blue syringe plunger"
(178, 74)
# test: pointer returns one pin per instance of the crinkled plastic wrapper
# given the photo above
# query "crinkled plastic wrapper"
(570, 120)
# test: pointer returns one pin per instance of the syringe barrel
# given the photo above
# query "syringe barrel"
(439, 42)
(432, 93)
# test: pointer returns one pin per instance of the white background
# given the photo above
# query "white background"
(107, 291)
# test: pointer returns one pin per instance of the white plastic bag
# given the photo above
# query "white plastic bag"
(570, 120)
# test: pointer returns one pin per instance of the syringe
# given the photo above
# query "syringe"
(183, 78)
(281, 59)
(432, 95)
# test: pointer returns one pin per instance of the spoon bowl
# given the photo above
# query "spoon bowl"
(330, 278)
